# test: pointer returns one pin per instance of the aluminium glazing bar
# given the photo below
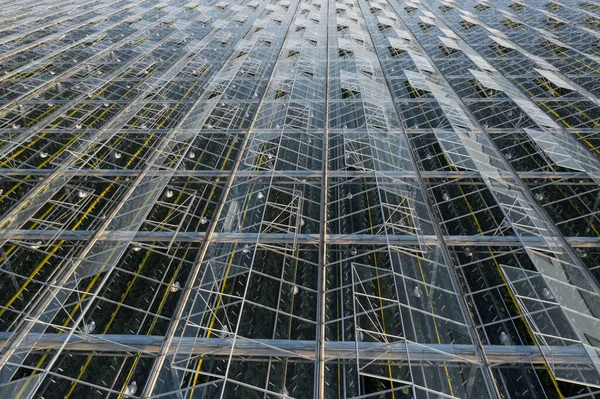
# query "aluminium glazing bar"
(148, 345)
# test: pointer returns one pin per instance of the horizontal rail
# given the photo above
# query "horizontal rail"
(125, 344)
(285, 173)
(282, 238)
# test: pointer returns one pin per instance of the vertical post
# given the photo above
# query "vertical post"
(322, 275)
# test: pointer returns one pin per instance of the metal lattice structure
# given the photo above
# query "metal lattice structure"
(300, 198)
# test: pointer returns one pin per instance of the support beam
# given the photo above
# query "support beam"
(189, 173)
(128, 344)
(283, 238)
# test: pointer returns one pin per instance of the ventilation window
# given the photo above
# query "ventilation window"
(145, 72)
(414, 92)
(95, 22)
(481, 91)
(293, 53)
(280, 93)
(594, 341)
(481, 7)
(300, 28)
(132, 21)
(554, 49)
(366, 69)
(178, 41)
(518, 6)
(347, 93)
(425, 27)
(590, 6)
(214, 94)
(223, 38)
(342, 28)
(593, 21)
(553, 6)
(410, 9)
(552, 88)
(445, 8)
(204, 20)
(91, 42)
(200, 71)
(383, 28)
(344, 53)
(394, 52)
(509, 23)
(467, 25)
(446, 51)
(501, 50)
(252, 68)
(240, 19)
(554, 23)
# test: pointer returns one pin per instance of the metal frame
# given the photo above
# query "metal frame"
(299, 198)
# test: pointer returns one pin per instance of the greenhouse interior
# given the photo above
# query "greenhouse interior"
(211, 199)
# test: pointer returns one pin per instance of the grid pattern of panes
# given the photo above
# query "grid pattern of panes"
(300, 199)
